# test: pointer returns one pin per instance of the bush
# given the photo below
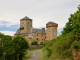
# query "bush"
(41, 43)
(49, 51)
(75, 45)
(34, 43)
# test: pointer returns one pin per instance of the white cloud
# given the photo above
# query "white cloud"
(41, 11)
(11, 33)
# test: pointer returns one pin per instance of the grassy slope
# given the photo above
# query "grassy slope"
(43, 55)
(60, 47)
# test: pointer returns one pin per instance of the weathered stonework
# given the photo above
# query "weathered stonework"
(41, 35)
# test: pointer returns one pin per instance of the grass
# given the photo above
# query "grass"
(43, 54)
(27, 56)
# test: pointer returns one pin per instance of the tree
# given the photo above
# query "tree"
(12, 49)
(21, 45)
(1, 48)
(34, 43)
(6, 47)
(73, 24)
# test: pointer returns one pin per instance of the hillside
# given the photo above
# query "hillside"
(66, 45)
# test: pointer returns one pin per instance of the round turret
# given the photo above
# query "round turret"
(51, 30)
(51, 24)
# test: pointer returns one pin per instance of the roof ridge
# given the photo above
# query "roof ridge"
(25, 18)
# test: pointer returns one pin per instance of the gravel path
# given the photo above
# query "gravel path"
(36, 55)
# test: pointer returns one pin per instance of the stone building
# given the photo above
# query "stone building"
(41, 35)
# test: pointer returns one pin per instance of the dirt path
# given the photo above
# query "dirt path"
(36, 55)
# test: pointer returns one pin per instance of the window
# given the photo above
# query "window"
(37, 34)
(37, 39)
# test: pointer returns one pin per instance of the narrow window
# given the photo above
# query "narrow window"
(37, 39)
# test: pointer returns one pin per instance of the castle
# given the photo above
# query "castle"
(41, 35)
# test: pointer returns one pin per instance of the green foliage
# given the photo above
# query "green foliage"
(73, 24)
(1, 51)
(34, 43)
(21, 45)
(41, 43)
(75, 45)
(49, 50)
(49, 43)
(44, 54)
(12, 49)
(60, 47)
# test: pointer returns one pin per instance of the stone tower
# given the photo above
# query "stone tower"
(25, 25)
(51, 30)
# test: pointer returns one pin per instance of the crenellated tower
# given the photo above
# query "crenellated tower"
(51, 30)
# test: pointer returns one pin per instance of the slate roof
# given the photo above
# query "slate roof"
(18, 31)
(50, 22)
(38, 30)
(26, 18)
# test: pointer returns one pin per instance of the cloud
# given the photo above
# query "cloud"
(11, 33)
(41, 11)
(59, 31)
(4, 26)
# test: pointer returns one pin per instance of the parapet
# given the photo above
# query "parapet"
(51, 24)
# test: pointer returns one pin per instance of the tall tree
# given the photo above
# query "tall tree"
(21, 45)
(73, 24)
(12, 49)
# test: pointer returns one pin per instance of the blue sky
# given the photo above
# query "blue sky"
(41, 11)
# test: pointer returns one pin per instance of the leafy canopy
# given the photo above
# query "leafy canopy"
(73, 24)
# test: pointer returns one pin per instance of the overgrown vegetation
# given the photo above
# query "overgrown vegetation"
(61, 47)
(34, 43)
(12, 49)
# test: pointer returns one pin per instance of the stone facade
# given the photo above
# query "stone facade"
(41, 35)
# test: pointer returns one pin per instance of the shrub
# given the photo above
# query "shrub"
(49, 51)
(41, 43)
(75, 45)
(34, 43)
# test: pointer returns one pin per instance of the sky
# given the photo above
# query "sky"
(40, 11)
